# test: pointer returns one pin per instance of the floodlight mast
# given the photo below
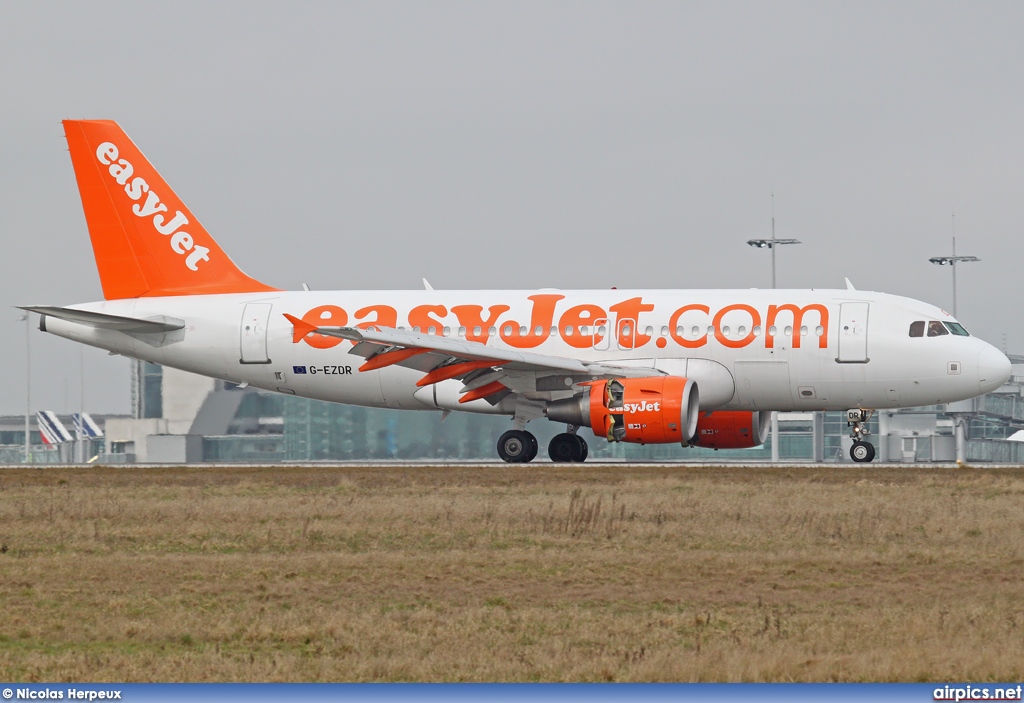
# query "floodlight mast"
(952, 261)
(771, 244)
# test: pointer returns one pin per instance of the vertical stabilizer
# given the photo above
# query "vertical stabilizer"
(51, 429)
(146, 242)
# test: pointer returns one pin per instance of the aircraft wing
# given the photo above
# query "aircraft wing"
(484, 370)
(102, 320)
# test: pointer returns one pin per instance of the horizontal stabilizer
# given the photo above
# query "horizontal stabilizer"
(101, 320)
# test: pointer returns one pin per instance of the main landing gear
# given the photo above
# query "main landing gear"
(517, 447)
(861, 451)
(568, 447)
(520, 447)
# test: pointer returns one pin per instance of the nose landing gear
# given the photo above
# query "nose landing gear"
(856, 419)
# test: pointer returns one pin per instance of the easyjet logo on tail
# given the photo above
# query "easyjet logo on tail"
(179, 240)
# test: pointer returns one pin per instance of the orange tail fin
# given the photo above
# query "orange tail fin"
(146, 242)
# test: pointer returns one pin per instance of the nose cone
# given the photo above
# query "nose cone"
(993, 369)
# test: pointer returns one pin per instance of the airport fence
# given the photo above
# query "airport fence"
(11, 455)
(995, 451)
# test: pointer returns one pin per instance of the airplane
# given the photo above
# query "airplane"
(689, 367)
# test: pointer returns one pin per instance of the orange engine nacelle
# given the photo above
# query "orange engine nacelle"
(731, 429)
(655, 410)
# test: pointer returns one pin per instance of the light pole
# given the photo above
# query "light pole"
(28, 383)
(771, 244)
(953, 261)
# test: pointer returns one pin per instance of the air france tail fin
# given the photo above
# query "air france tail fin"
(146, 242)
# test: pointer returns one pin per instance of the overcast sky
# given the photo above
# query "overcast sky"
(520, 145)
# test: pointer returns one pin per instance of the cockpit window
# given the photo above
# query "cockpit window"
(935, 329)
(957, 329)
(917, 328)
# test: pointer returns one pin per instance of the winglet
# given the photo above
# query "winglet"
(300, 328)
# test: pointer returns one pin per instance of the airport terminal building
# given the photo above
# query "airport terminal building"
(180, 417)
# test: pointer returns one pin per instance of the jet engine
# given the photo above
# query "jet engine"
(655, 410)
(731, 429)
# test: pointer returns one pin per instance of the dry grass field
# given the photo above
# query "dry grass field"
(595, 573)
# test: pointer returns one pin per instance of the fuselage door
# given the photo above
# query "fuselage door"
(853, 333)
(254, 333)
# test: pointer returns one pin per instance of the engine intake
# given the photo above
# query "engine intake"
(655, 410)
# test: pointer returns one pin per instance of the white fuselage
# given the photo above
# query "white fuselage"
(747, 349)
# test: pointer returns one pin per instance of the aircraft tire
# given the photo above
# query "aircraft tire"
(534, 447)
(584, 449)
(564, 448)
(862, 452)
(517, 446)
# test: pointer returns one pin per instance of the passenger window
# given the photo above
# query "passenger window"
(917, 328)
(935, 329)
(957, 329)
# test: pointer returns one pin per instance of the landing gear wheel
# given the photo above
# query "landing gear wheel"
(584, 449)
(862, 451)
(564, 448)
(533, 448)
(568, 447)
(517, 446)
